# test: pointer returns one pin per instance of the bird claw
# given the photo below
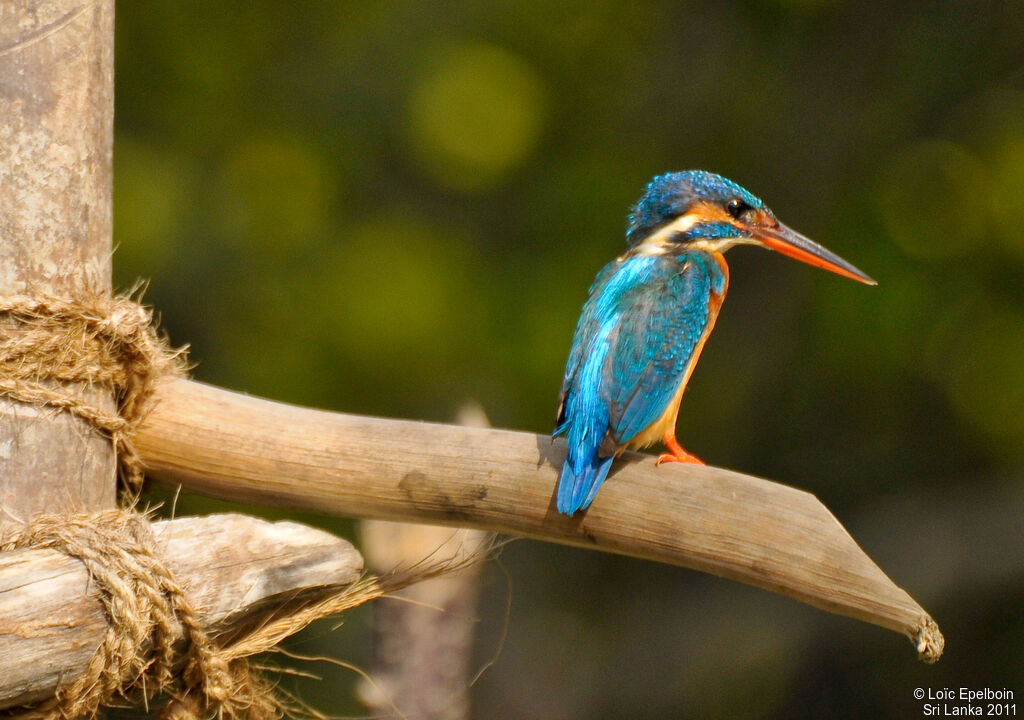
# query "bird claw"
(684, 458)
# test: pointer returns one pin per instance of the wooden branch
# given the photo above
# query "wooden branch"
(773, 536)
(56, 135)
(238, 570)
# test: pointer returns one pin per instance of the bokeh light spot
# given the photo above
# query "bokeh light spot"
(475, 115)
(1008, 193)
(276, 194)
(150, 192)
(986, 376)
(399, 286)
(934, 200)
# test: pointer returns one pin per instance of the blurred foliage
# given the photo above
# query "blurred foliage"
(474, 115)
(395, 207)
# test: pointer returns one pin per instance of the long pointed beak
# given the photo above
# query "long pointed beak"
(789, 242)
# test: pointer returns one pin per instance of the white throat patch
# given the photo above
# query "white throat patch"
(660, 242)
(657, 243)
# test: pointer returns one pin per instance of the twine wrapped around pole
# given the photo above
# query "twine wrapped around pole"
(176, 645)
(145, 607)
(47, 346)
(50, 344)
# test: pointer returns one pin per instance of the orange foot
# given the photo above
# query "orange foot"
(677, 453)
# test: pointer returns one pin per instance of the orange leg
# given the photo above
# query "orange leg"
(676, 454)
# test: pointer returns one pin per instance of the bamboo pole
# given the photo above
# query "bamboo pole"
(233, 446)
(56, 135)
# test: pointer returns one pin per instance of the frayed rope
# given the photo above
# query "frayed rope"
(66, 355)
(148, 615)
(51, 347)
(155, 652)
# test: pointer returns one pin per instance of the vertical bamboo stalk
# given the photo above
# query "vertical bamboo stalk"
(423, 646)
(56, 138)
(423, 642)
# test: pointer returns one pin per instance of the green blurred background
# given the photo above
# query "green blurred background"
(397, 207)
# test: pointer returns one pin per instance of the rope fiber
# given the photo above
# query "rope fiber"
(51, 347)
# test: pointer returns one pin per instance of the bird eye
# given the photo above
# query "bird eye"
(737, 208)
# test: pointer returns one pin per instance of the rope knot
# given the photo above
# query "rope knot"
(50, 347)
(153, 629)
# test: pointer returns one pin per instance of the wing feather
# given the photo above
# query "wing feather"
(633, 346)
(657, 336)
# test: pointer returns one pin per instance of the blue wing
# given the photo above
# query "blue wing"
(657, 338)
(634, 343)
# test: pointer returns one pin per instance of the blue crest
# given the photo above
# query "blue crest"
(670, 195)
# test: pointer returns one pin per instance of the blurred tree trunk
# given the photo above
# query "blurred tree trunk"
(423, 646)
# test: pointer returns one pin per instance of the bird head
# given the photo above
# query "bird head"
(701, 210)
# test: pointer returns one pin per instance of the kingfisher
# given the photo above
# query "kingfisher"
(647, 317)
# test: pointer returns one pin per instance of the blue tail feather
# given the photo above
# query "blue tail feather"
(577, 486)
